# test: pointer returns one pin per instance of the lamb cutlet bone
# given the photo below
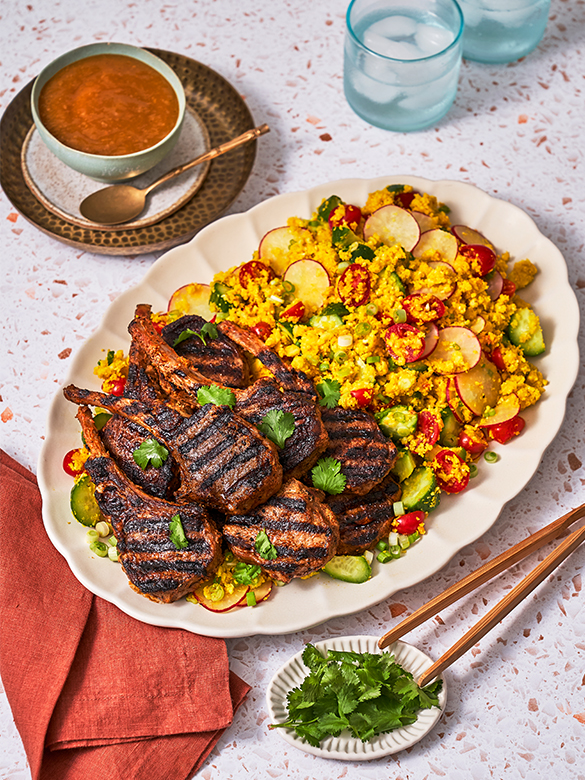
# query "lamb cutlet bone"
(154, 566)
(224, 462)
(181, 381)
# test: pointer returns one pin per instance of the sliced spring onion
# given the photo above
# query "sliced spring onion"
(473, 472)
(251, 598)
(323, 367)
(371, 309)
(275, 299)
(113, 554)
(340, 357)
(288, 286)
(99, 548)
(399, 315)
(403, 541)
(382, 545)
(384, 557)
(398, 507)
(103, 528)
(345, 341)
(342, 266)
(491, 457)
(92, 535)
(362, 329)
(373, 359)
(393, 539)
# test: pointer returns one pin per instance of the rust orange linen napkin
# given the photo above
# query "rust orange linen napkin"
(95, 694)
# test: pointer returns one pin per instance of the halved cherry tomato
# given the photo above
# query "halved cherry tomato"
(451, 471)
(363, 396)
(408, 523)
(472, 442)
(423, 307)
(428, 427)
(69, 467)
(295, 312)
(505, 431)
(404, 199)
(498, 359)
(354, 285)
(508, 288)
(481, 258)
(255, 271)
(350, 216)
(262, 330)
(118, 386)
(158, 326)
(404, 342)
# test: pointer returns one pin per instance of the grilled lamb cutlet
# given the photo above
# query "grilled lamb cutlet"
(122, 437)
(219, 359)
(364, 520)
(300, 452)
(224, 462)
(155, 566)
(308, 442)
(357, 442)
(288, 378)
(303, 531)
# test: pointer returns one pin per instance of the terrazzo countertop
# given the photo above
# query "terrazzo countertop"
(516, 704)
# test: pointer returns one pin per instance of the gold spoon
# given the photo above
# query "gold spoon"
(122, 202)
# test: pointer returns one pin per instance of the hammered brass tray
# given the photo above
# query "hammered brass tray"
(225, 116)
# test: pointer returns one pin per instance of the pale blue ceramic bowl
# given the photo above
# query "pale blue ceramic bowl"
(109, 168)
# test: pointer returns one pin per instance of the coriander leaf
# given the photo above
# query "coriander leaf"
(183, 336)
(212, 394)
(150, 451)
(245, 573)
(313, 658)
(110, 357)
(277, 426)
(330, 392)
(176, 533)
(264, 547)
(209, 330)
(327, 476)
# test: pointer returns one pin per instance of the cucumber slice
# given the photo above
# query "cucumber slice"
(524, 331)
(349, 568)
(83, 502)
(449, 435)
(398, 421)
(420, 490)
(395, 281)
(404, 466)
(328, 321)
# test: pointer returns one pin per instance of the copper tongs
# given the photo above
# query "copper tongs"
(485, 573)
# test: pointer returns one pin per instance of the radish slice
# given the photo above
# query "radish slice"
(479, 387)
(495, 285)
(468, 235)
(431, 340)
(457, 350)
(454, 401)
(275, 244)
(445, 286)
(393, 225)
(229, 601)
(192, 299)
(424, 221)
(263, 591)
(505, 409)
(477, 325)
(439, 242)
(311, 282)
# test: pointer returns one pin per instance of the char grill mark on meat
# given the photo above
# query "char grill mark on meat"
(154, 566)
(303, 530)
(288, 378)
(224, 462)
(218, 359)
(357, 442)
(309, 440)
(364, 520)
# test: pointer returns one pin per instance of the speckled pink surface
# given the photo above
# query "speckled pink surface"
(516, 707)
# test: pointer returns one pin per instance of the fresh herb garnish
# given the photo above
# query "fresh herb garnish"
(150, 451)
(110, 357)
(246, 573)
(366, 693)
(208, 330)
(327, 207)
(218, 299)
(330, 392)
(264, 547)
(176, 533)
(277, 426)
(327, 476)
(212, 394)
(336, 308)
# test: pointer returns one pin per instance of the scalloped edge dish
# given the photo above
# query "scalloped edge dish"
(458, 521)
(345, 747)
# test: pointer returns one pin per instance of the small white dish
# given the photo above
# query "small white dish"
(61, 189)
(345, 747)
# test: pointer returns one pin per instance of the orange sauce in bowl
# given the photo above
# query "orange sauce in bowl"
(108, 104)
